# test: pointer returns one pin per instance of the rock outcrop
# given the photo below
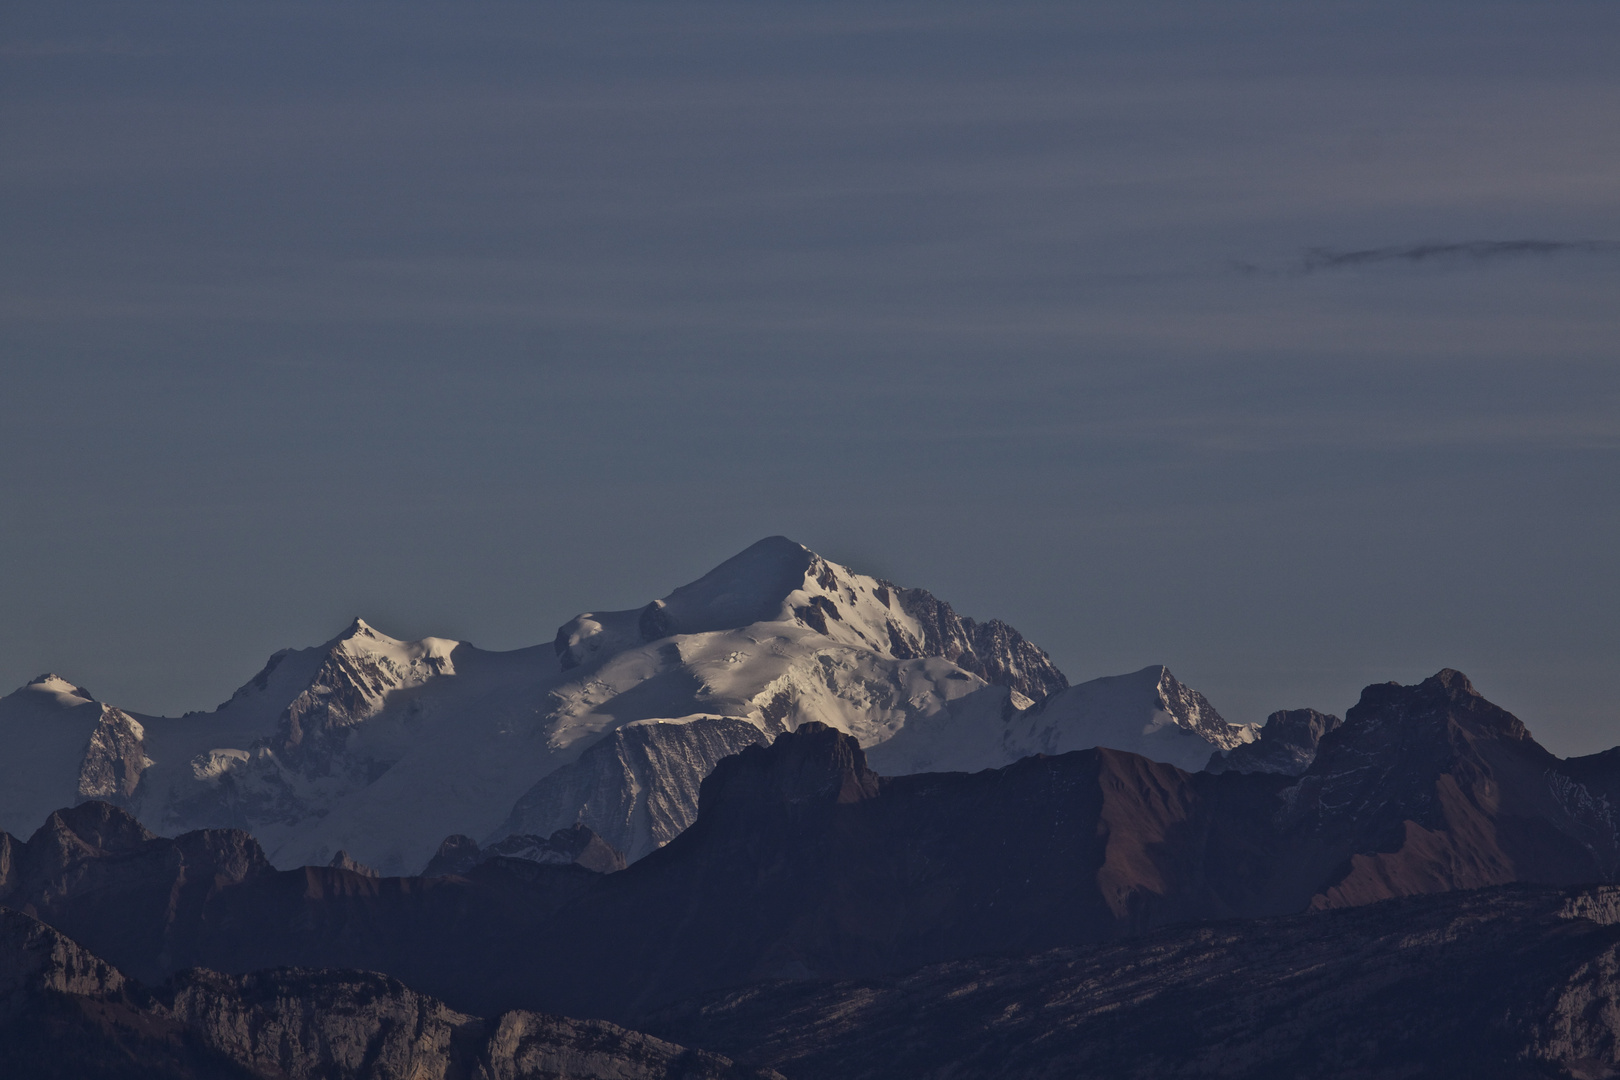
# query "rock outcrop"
(576, 846)
(1287, 744)
(344, 861)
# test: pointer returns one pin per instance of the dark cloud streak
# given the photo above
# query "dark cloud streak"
(1471, 251)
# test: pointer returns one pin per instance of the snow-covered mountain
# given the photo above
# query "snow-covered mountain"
(1147, 712)
(59, 746)
(382, 748)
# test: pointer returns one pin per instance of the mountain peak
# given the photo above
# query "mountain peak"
(361, 631)
(363, 639)
(1148, 712)
(95, 826)
(753, 586)
(52, 683)
(1447, 695)
(779, 546)
(1387, 761)
(1453, 682)
(781, 582)
(749, 587)
(352, 684)
(344, 861)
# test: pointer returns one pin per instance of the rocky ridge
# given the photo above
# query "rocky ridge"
(993, 651)
(65, 1013)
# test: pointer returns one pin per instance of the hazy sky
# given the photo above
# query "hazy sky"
(1278, 343)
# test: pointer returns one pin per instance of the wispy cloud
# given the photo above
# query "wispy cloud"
(1475, 251)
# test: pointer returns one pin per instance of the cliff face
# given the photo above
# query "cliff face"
(993, 651)
(66, 1013)
(115, 758)
(637, 788)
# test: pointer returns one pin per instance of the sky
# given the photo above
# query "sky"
(1276, 343)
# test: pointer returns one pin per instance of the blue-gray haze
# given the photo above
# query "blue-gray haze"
(1274, 342)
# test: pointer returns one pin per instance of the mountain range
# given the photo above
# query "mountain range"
(805, 863)
(66, 1014)
(382, 748)
(793, 822)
